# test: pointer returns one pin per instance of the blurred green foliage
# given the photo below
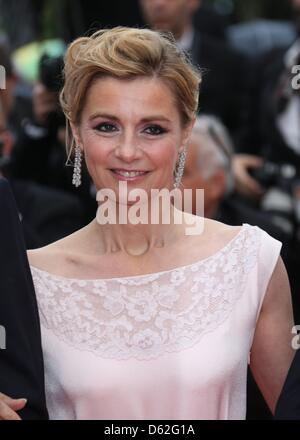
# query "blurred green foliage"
(50, 19)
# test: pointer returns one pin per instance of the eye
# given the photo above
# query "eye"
(155, 130)
(105, 127)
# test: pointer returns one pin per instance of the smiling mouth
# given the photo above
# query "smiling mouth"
(129, 174)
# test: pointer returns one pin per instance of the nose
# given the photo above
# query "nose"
(127, 150)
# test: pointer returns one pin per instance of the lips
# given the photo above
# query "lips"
(133, 173)
(129, 174)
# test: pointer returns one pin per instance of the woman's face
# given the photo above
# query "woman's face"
(130, 130)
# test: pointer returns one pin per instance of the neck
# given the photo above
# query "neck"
(179, 32)
(137, 239)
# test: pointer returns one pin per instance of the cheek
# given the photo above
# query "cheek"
(96, 149)
(95, 156)
(163, 156)
(163, 153)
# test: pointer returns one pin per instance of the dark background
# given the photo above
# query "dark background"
(39, 19)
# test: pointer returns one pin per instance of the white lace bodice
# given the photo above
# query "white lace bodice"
(144, 318)
(147, 315)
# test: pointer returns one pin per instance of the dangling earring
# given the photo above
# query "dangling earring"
(180, 169)
(77, 167)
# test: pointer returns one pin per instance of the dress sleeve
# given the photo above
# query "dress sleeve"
(268, 256)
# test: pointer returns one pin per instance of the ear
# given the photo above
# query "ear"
(187, 132)
(76, 134)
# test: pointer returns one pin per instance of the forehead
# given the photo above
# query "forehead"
(131, 97)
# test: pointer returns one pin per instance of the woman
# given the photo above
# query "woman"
(142, 321)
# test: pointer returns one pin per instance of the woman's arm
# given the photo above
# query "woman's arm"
(272, 352)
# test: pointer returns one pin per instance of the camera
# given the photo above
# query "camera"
(50, 70)
(275, 175)
(282, 196)
(51, 76)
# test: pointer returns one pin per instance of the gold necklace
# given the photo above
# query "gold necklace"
(137, 252)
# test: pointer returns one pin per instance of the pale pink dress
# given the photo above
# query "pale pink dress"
(168, 345)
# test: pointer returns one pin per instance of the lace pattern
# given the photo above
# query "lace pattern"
(148, 315)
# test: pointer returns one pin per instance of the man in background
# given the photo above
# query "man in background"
(209, 167)
(47, 214)
(21, 360)
(223, 88)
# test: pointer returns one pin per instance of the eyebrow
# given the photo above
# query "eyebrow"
(114, 118)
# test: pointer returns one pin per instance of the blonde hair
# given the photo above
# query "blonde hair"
(126, 53)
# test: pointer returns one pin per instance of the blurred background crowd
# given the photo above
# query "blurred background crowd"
(245, 148)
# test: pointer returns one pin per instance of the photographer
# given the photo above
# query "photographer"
(39, 154)
(44, 212)
(272, 178)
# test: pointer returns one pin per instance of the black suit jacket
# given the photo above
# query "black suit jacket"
(47, 214)
(262, 136)
(21, 362)
(288, 405)
(274, 146)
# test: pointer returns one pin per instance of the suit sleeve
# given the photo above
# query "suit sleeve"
(21, 360)
(288, 405)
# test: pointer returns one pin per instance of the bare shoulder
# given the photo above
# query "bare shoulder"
(45, 258)
(50, 258)
(213, 230)
(220, 229)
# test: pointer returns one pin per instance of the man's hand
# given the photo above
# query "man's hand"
(9, 406)
(245, 184)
